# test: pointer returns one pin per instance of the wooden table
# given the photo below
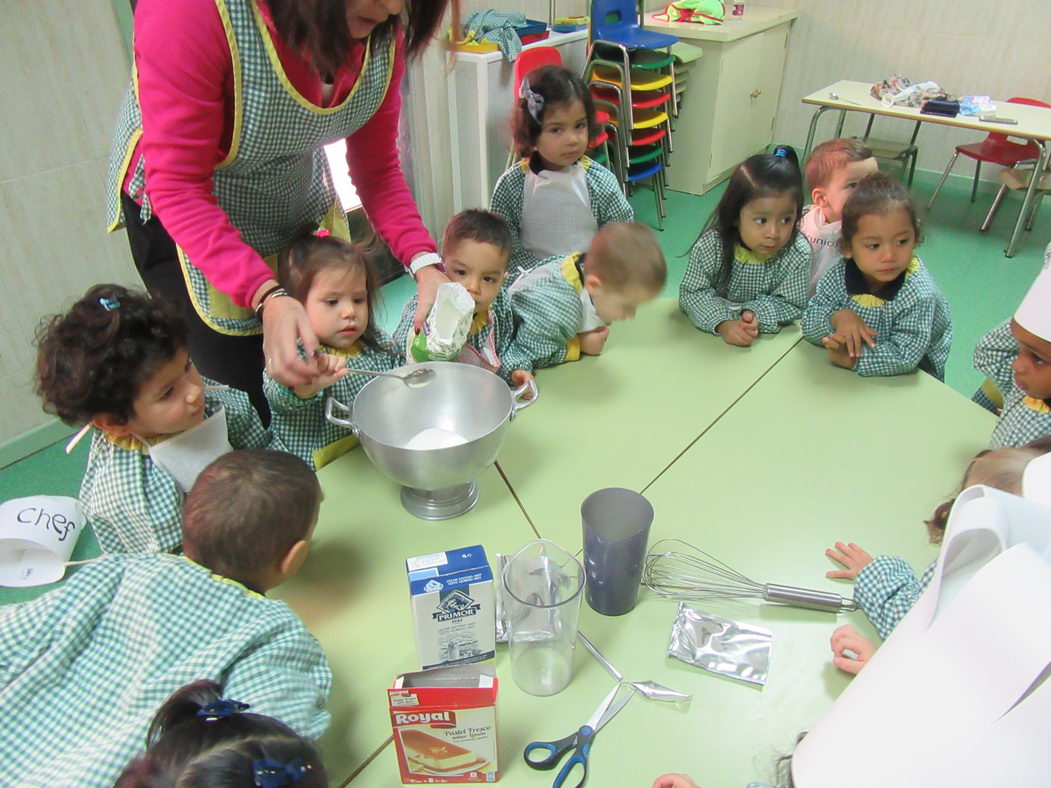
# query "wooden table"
(1034, 123)
(807, 454)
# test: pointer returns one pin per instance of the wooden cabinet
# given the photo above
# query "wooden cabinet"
(728, 106)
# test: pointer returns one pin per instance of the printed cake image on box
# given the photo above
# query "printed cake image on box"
(453, 607)
(444, 723)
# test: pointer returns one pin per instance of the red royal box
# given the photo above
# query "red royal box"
(444, 723)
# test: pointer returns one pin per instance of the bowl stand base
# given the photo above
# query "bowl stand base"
(441, 504)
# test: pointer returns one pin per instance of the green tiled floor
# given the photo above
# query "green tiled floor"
(983, 288)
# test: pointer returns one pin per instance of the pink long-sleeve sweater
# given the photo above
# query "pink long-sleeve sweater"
(186, 95)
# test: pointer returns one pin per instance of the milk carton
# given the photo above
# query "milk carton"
(453, 609)
(444, 723)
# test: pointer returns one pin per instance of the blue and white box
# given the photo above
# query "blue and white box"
(453, 607)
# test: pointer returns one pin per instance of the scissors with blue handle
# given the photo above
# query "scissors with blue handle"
(579, 741)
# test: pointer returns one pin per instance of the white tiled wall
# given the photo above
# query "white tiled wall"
(966, 46)
(62, 73)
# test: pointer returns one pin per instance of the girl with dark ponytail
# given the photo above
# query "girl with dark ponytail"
(749, 267)
(199, 738)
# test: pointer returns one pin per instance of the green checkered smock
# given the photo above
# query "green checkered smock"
(497, 333)
(1022, 420)
(915, 329)
(993, 354)
(608, 204)
(548, 312)
(135, 506)
(887, 589)
(773, 287)
(84, 668)
(299, 424)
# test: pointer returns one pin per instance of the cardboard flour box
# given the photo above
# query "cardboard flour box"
(444, 723)
(453, 608)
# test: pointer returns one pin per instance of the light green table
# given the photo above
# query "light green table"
(810, 454)
(353, 596)
(619, 419)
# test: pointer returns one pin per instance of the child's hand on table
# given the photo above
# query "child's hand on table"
(851, 650)
(330, 368)
(853, 330)
(673, 781)
(519, 378)
(592, 342)
(854, 558)
(741, 333)
(836, 345)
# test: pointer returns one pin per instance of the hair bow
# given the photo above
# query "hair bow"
(321, 232)
(221, 709)
(109, 303)
(268, 773)
(534, 101)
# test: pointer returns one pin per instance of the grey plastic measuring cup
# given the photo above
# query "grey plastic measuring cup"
(616, 526)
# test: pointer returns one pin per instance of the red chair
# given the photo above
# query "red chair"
(995, 149)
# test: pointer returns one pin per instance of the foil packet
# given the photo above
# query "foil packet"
(720, 645)
(501, 603)
(445, 330)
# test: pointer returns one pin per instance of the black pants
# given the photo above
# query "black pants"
(234, 360)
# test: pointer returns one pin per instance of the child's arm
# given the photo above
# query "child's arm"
(286, 677)
(886, 589)
(401, 333)
(24, 631)
(697, 296)
(607, 198)
(546, 316)
(785, 302)
(994, 353)
(847, 639)
(900, 350)
(243, 427)
(816, 323)
(507, 202)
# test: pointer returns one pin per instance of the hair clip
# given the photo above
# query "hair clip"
(321, 232)
(781, 152)
(221, 709)
(534, 101)
(109, 303)
(268, 773)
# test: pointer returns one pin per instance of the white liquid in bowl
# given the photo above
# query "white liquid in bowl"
(435, 438)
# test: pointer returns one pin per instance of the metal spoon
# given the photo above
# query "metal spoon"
(835, 97)
(414, 379)
(650, 690)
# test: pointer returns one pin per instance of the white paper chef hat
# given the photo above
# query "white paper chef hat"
(1036, 481)
(959, 693)
(37, 536)
(1034, 313)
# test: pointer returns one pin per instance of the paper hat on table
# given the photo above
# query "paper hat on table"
(37, 536)
(1034, 313)
(1036, 481)
(959, 694)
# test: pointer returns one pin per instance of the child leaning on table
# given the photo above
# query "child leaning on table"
(201, 738)
(877, 311)
(338, 289)
(748, 269)
(555, 198)
(833, 171)
(117, 362)
(86, 666)
(562, 308)
(475, 247)
(1016, 357)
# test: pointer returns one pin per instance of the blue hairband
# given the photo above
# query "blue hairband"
(268, 773)
(781, 153)
(109, 304)
(534, 101)
(221, 709)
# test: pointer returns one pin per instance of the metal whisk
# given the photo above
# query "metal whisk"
(677, 570)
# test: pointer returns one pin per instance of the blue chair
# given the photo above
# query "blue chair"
(617, 22)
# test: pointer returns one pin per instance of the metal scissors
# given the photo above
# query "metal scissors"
(579, 741)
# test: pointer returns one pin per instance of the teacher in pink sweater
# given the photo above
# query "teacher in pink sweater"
(218, 162)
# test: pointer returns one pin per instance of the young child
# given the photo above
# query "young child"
(86, 666)
(562, 308)
(117, 362)
(748, 269)
(885, 586)
(201, 738)
(878, 311)
(1024, 376)
(476, 247)
(833, 171)
(338, 289)
(555, 198)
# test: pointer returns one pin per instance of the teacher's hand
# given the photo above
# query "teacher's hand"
(427, 281)
(285, 321)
